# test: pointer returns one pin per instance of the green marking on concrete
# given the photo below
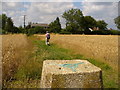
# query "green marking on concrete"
(71, 66)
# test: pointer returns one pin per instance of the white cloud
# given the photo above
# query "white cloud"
(46, 12)
(40, 0)
(60, 0)
(35, 12)
(102, 10)
(12, 4)
(101, 0)
(13, 10)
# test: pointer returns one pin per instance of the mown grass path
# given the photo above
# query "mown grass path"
(29, 73)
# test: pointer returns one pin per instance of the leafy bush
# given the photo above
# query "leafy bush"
(106, 32)
(64, 31)
(39, 29)
(35, 30)
(22, 30)
(115, 32)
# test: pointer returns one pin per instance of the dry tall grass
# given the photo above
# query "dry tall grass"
(14, 49)
(101, 47)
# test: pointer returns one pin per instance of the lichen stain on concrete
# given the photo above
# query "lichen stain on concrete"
(71, 66)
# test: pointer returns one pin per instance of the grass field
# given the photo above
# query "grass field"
(100, 47)
(28, 64)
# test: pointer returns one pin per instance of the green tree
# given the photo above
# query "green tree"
(102, 25)
(117, 22)
(0, 21)
(4, 19)
(58, 25)
(16, 30)
(21, 29)
(9, 25)
(55, 26)
(0, 24)
(74, 18)
(88, 22)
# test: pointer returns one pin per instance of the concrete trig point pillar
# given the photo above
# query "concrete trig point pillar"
(70, 74)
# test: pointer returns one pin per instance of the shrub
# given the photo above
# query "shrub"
(64, 31)
(106, 32)
(35, 30)
(114, 32)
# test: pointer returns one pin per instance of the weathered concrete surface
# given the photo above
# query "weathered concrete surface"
(70, 74)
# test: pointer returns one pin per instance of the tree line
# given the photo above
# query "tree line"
(7, 25)
(76, 23)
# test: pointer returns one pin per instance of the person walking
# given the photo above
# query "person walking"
(47, 38)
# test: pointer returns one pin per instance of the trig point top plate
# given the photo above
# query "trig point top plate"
(69, 66)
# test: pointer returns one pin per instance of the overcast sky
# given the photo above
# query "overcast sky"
(46, 12)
